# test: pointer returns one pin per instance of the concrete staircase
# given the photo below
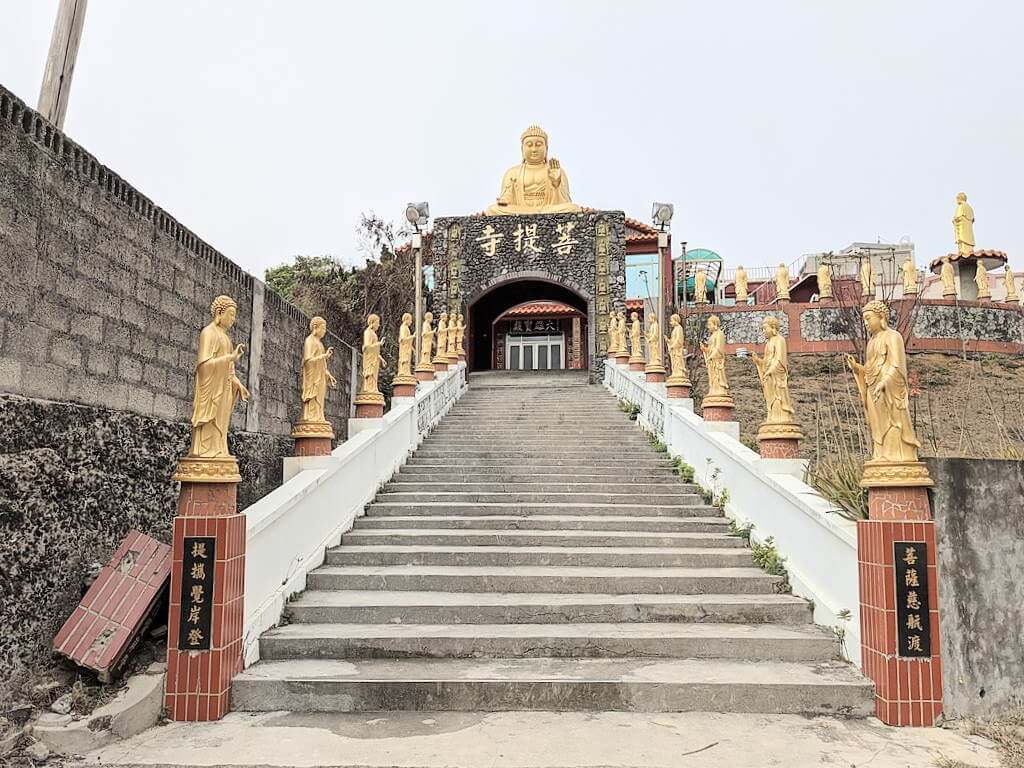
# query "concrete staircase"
(536, 553)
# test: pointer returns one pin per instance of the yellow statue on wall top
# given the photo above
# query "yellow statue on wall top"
(867, 277)
(700, 286)
(885, 395)
(740, 283)
(824, 281)
(216, 389)
(782, 283)
(963, 225)
(948, 278)
(536, 185)
(909, 278)
(1010, 285)
(981, 280)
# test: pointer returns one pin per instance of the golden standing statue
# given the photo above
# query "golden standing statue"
(1010, 285)
(824, 281)
(948, 278)
(700, 287)
(536, 185)
(782, 283)
(452, 353)
(773, 372)
(963, 225)
(981, 280)
(426, 344)
(441, 357)
(372, 360)
(740, 283)
(654, 347)
(885, 395)
(636, 347)
(677, 353)
(460, 329)
(406, 342)
(714, 361)
(619, 334)
(216, 389)
(909, 278)
(315, 380)
(867, 277)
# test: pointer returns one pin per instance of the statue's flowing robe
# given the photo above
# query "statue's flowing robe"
(314, 379)
(371, 360)
(653, 347)
(538, 194)
(405, 351)
(775, 382)
(634, 339)
(948, 278)
(963, 227)
(714, 359)
(676, 354)
(214, 395)
(892, 433)
(442, 338)
(981, 279)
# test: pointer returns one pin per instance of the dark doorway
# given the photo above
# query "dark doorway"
(485, 310)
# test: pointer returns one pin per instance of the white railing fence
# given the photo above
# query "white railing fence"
(820, 547)
(289, 529)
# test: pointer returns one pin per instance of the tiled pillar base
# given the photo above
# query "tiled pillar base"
(404, 390)
(312, 446)
(369, 410)
(677, 390)
(422, 374)
(654, 374)
(779, 448)
(637, 365)
(621, 359)
(717, 412)
(440, 366)
(908, 691)
(199, 681)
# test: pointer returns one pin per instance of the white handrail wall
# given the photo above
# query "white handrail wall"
(289, 530)
(820, 546)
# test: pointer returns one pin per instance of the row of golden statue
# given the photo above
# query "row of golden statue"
(881, 382)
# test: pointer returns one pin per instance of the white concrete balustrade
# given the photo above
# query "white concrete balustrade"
(289, 529)
(819, 545)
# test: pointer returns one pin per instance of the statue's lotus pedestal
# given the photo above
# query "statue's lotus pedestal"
(654, 373)
(637, 363)
(313, 438)
(899, 601)
(717, 408)
(369, 405)
(779, 441)
(205, 618)
(677, 387)
(425, 372)
(404, 386)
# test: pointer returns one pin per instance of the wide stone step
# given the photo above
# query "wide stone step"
(665, 485)
(380, 607)
(553, 498)
(560, 452)
(423, 473)
(384, 508)
(533, 538)
(521, 522)
(395, 554)
(535, 578)
(659, 640)
(585, 464)
(563, 685)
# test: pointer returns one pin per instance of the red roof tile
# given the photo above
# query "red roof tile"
(535, 308)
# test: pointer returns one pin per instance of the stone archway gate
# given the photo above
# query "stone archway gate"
(585, 252)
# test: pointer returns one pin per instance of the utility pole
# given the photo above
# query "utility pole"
(417, 247)
(60, 63)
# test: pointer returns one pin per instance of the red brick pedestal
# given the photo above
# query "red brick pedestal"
(440, 366)
(425, 374)
(312, 446)
(204, 625)
(677, 390)
(622, 358)
(901, 658)
(653, 377)
(717, 408)
(779, 448)
(369, 410)
(637, 364)
(403, 390)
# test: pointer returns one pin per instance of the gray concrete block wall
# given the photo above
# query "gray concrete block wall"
(103, 295)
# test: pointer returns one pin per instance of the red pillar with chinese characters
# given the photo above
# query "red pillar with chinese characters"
(899, 604)
(204, 627)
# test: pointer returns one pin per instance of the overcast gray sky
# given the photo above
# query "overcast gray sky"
(776, 128)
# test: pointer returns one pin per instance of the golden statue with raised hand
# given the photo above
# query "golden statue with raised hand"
(700, 287)
(636, 347)
(740, 283)
(406, 340)
(537, 184)
(426, 345)
(441, 356)
(616, 332)
(885, 395)
(452, 352)
(654, 346)
(824, 281)
(677, 353)
(909, 278)
(948, 278)
(315, 380)
(773, 372)
(216, 388)
(372, 359)
(714, 361)
(981, 280)
(782, 283)
(1010, 285)
(963, 225)
(460, 330)
(867, 277)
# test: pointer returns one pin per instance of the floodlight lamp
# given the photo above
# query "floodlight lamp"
(417, 214)
(661, 213)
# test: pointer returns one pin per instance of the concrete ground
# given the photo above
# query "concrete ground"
(540, 740)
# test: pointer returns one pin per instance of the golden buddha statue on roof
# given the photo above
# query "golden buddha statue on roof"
(537, 184)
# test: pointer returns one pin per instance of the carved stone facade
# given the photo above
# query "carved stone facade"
(583, 253)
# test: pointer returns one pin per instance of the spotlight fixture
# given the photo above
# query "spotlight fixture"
(417, 214)
(661, 213)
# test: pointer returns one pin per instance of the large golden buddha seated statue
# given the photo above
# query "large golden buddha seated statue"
(537, 185)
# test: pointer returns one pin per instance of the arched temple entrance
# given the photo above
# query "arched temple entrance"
(487, 336)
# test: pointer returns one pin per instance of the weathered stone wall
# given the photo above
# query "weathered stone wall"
(823, 324)
(559, 248)
(745, 327)
(103, 294)
(997, 324)
(979, 530)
